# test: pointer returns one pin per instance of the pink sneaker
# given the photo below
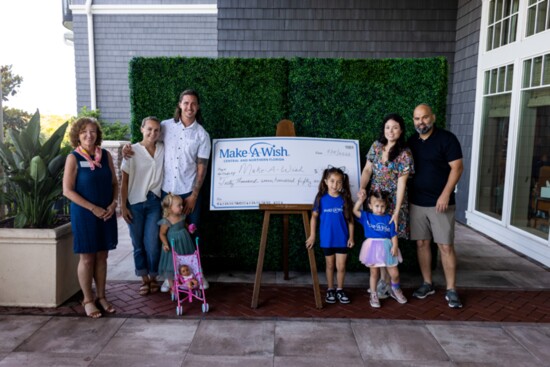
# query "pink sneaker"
(397, 294)
(374, 302)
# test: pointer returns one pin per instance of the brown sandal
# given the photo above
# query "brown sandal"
(144, 289)
(154, 286)
(91, 309)
(106, 306)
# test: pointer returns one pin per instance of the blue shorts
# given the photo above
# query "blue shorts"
(329, 251)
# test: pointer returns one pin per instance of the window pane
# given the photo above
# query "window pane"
(513, 28)
(492, 12)
(487, 78)
(493, 81)
(492, 165)
(537, 69)
(531, 13)
(498, 14)
(490, 38)
(506, 8)
(496, 40)
(530, 204)
(515, 6)
(541, 17)
(509, 77)
(531, 2)
(546, 77)
(527, 73)
(501, 77)
(505, 31)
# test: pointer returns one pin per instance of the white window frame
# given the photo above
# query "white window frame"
(513, 53)
(536, 17)
(501, 21)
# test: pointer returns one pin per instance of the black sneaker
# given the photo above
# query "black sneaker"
(330, 297)
(452, 297)
(424, 291)
(342, 296)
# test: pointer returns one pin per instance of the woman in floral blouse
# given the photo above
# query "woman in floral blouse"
(389, 163)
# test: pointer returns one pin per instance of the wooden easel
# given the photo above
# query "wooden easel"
(285, 128)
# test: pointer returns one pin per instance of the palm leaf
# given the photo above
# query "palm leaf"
(34, 180)
(33, 128)
(51, 147)
(7, 157)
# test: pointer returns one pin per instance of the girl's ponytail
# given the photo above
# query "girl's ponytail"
(322, 190)
(346, 195)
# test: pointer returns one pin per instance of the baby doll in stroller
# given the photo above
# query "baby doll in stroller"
(188, 278)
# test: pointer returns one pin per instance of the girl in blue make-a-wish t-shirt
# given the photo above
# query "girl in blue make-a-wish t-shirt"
(332, 208)
(380, 249)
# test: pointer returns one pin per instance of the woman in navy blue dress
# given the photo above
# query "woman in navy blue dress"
(90, 183)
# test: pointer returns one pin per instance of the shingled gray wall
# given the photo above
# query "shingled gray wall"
(463, 94)
(336, 28)
(118, 38)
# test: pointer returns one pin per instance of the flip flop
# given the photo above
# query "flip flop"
(106, 306)
(91, 310)
(144, 289)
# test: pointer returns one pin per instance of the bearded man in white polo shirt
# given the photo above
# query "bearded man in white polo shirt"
(186, 152)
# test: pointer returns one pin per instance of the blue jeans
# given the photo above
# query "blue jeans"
(144, 231)
(195, 215)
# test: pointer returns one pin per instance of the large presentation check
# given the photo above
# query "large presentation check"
(247, 172)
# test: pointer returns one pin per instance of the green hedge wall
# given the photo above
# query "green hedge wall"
(348, 98)
(338, 98)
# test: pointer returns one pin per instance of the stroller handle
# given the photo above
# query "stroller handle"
(196, 243)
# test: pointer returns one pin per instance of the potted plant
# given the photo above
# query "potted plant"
(37, 264)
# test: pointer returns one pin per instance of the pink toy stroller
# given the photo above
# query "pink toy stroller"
(188, 287)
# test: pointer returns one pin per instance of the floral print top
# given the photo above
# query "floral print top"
(384, 178)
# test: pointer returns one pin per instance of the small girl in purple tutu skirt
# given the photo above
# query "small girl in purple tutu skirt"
(380, 249)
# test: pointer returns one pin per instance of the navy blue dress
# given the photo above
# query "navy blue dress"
(92, 234)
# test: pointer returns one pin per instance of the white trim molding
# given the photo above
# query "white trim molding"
(147, 9)
(91, 53)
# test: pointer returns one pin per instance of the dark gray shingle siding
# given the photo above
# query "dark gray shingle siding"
(118, 38)
(336, 28)
(462, 101)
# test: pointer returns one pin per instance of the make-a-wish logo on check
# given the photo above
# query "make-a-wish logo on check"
(256, 150)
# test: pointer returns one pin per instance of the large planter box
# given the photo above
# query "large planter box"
(37, 266)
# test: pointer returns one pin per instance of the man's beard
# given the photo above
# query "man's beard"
(425, 129)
